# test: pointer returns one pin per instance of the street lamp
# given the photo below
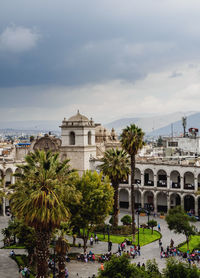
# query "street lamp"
(108, 231)
(138, 228)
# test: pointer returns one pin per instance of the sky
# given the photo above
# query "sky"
(110, 59)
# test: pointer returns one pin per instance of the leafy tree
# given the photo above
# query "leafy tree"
(159, 142)
(95, 205)
(132, 142)
(152, 223)
(38, 199)
(179, 221)
(126, 220)
(177, 269)
(115, 164)
(121, 267)
(152, 267)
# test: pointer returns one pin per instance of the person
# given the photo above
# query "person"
(102, 266)
(143, 266)
(159, 229)
(110, 245)
(96, 239)
(66, 273)
(172, 243)
(138, 265)
(91, 240)
(12, 253)
(138, 250)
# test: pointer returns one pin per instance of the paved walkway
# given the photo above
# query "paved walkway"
(8, 268)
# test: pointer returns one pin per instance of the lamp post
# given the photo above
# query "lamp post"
(148, 213)
(108, 231)
(138, 228)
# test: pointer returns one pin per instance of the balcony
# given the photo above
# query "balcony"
(137, 181)
(189, 186)
(176, 185)
(149, 183)
(162, 183)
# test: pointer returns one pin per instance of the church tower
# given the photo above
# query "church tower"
(78, 141)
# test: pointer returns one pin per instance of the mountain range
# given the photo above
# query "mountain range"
(163, 125)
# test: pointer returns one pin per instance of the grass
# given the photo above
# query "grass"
(194, 243)
(145, 237)
(22, 260)
(14, 246)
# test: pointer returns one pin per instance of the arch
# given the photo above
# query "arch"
(124, 198)
(148, 177)
(175, 200)
(137, 199)
(137, 176)
(89, 138)
(72, 138)
(189, 181)
(161, 178)
(8, 176)
(175, 179)
(189, 204)
(161, 202)
(149, 200)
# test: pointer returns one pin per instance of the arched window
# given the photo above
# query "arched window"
(72, 138)
(89, 138)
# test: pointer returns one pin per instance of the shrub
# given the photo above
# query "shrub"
(126, 220)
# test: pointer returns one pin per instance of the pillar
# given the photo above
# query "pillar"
(142, 199)
(195, 184)
(129, 200)
(142, 179)
(155, 202)
(4, 206)
(196, 205)
(168, 203)
(182, 183)
(168, 182)
(155, 180)
(182, 201)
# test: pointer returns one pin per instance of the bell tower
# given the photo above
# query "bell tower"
(78, 141)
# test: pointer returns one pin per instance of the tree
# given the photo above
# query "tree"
(38, 199)
(159, 142)
(177, 269)
(126, 220)
(115, 164)
(62, 246)
(179, 221)
(96, 203)
(121, 267)
(152, 223)
(132, 142)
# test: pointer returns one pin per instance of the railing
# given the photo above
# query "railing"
(137, 181)
(162, 183)
(189, 186)
(176, 185)
(149, 183)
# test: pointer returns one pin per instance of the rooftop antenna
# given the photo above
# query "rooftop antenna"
(184, 123)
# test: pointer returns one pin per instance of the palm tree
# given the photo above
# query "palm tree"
(62, 246)
(38, 199)
(132, 142)
(116, 167)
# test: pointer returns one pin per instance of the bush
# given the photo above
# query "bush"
(126, 220)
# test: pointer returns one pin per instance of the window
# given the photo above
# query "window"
(172, 144)
(89, 138)
(72, 138)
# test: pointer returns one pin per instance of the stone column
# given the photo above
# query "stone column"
(155, 180)
(182, 183)
(142, 199)
(196, 205)
(195, 184)
(168, 202)
(155, 202)
(168, 182)
(142, 179)
(182, 201)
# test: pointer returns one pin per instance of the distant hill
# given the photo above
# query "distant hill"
(176, 128)
(152, 124)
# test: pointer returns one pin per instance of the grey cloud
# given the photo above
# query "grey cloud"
(175, 74)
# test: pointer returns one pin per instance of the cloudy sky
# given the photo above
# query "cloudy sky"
(108, 58)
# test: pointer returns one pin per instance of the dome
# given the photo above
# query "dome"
(78, 118)
(101, 131)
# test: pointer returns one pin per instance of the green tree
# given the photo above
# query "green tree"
(159, 142)
(96, 203)
(152, 223)
(177, 269)
(126, 219)
(62, 246)
(132, 142)
(115, 164)
(179, 221)
(38, 199)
